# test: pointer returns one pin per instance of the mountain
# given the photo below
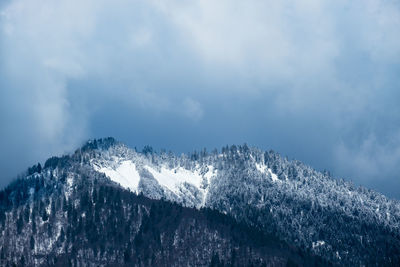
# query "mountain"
(107, 204)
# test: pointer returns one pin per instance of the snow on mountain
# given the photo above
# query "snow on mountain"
(302, 205)
(127, 168)
(264, 169)
(172, 179)
(124, 174)
(328, 217)
(71, 215)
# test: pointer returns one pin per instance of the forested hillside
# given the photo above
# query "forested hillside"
(75, 217)
(107, 204)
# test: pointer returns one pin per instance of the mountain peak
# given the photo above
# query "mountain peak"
(101, 143)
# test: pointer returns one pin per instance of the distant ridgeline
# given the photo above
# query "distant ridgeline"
(109, 205)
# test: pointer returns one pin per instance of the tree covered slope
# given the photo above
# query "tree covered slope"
(73, 216)
(109, 204)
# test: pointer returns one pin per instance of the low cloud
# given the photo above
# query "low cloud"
(192, 109)
(374, 162)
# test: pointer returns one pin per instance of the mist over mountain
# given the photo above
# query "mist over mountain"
(315, 80)
(110, 205)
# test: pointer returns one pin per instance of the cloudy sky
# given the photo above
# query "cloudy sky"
(315, 80)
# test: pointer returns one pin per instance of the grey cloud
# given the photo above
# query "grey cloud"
(314, 80)
(192, 109)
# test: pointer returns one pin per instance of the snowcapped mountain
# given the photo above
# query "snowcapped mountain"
(306, 207)
(322, 218)
(179, 179)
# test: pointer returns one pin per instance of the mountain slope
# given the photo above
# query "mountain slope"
(303, 207)
(72, 215)
(308, 208)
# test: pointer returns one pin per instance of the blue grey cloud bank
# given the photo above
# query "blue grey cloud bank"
(314, 80)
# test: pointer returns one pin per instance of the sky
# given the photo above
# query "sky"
(315, 80)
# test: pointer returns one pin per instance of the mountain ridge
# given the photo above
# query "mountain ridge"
(68, 214)
(309, 209)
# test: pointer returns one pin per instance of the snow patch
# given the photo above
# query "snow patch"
(274, 177)
(264, 169)
(318, 243)
(210, 173)
(173, 178)
(125, 174)
(70, 183)
(208, 177)
(261, 168)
